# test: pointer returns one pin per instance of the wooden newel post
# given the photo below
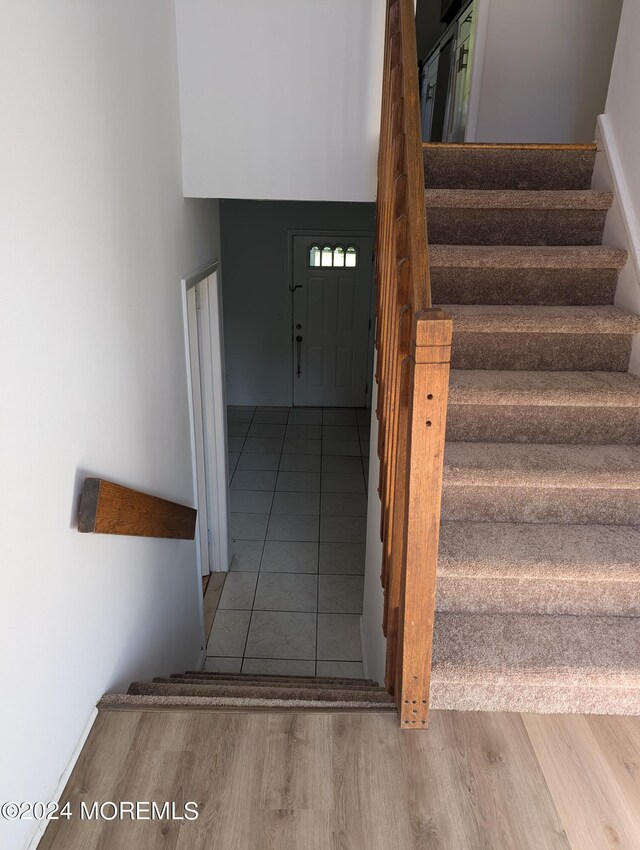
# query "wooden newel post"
(429, 365)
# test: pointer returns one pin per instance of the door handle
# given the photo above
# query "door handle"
(299, 352)
(462, 58)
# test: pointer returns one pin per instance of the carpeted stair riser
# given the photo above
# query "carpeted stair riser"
(535, 351)
(370, 695)
(505, 482)
(463, 226)
(576, 505)
(539, 569)
(543, 424)
(562, 287)
(504, 168)
(528, 596)
(203, 680)
(323, 681)
(529, 697)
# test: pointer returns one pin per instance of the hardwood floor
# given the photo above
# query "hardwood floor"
(356, 782)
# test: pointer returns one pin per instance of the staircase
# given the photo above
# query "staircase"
(196, 689)
(538, 589)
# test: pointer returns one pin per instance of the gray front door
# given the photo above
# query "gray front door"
(332, 280)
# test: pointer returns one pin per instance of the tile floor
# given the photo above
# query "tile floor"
(292, 600)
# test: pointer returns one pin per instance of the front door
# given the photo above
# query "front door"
(332, 285)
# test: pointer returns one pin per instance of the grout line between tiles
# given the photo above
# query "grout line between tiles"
(258, 658)
(315, 669)
(296, 611)
(264, 543)
(246, 637)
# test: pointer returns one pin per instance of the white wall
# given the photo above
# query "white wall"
(95, 239)
(374, 645)
(255, 285)
(617, 164)
(622, 106)
(545, 69)
(280, 100)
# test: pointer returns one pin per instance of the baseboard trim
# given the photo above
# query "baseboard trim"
(621, 228)
(36, 836)
(607, 143)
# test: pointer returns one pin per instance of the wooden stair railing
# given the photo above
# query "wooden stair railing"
(108, 508)
(413, 343)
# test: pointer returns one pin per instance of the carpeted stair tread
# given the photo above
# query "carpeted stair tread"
(508, 199)
(249, 681)
(576, 389)
(513, 465)
(508, 167)
(542, 663)
(324, 681)
(490, 319)
(168, 688)
(527, 256)
(142, 701)
(550, 569)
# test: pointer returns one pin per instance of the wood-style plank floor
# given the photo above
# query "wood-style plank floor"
(356, 782)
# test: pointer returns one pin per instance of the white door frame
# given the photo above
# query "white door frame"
(204, 351)
(341, 236)
(479, 34)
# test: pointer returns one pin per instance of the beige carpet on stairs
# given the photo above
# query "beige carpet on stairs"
(539, 569)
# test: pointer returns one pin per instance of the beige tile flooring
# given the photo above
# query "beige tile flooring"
(292, 600)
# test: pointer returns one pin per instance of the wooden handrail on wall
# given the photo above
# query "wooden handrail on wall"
(108, 508)
(413, 343)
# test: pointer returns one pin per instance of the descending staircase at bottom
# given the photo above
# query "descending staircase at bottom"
(198, 689)
(538, 591)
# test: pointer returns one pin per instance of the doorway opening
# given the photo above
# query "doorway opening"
(298, 423)
(202, 310)
(445, 69)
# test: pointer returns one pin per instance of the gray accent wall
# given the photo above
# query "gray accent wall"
(255, 286)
